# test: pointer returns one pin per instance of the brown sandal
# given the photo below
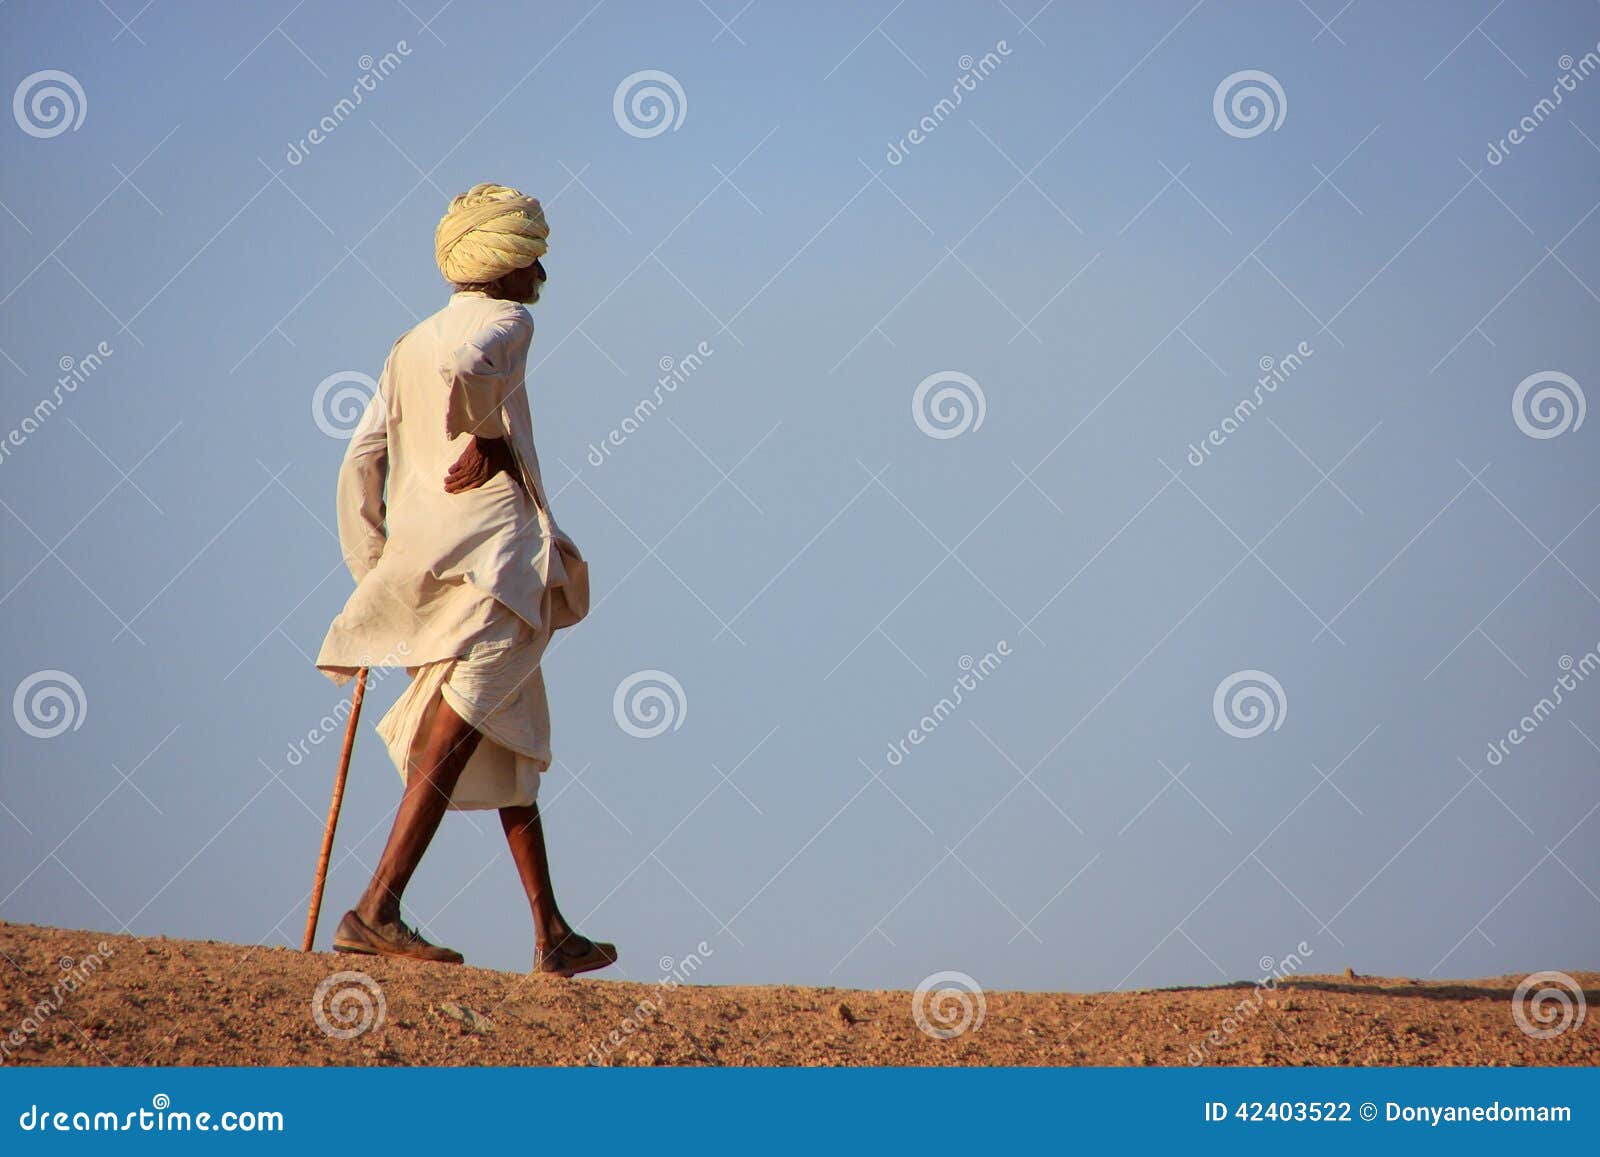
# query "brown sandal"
(356, 936)
(573, 955)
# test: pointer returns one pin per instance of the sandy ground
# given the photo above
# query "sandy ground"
(86, 998)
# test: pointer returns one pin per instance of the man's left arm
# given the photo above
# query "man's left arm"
(362, 476)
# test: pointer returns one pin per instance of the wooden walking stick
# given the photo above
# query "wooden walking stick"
(333, 810)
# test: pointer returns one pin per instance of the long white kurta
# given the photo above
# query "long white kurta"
(483, 576)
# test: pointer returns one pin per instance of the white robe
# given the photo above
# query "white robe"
(436, 573)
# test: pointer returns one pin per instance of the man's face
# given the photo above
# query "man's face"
(524, 284)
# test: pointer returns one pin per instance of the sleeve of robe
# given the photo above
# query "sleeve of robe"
(360, 490)
(479, 376)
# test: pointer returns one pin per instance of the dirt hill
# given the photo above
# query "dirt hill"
(88, 998)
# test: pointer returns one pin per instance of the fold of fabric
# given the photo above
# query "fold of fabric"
(498, 688)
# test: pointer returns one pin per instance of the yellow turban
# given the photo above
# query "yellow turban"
(489, 231)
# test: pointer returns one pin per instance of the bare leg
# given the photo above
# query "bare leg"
(525, 834)
(449, 744)
(559, 948)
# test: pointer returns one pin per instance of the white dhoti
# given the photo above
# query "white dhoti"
(498, 688)
(465, 588)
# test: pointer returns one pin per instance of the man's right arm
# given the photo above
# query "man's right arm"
(479, 375)
(360, 493)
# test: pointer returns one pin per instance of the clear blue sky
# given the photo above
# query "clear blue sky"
(1081, 237)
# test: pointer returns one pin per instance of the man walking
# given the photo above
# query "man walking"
(461, 574)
